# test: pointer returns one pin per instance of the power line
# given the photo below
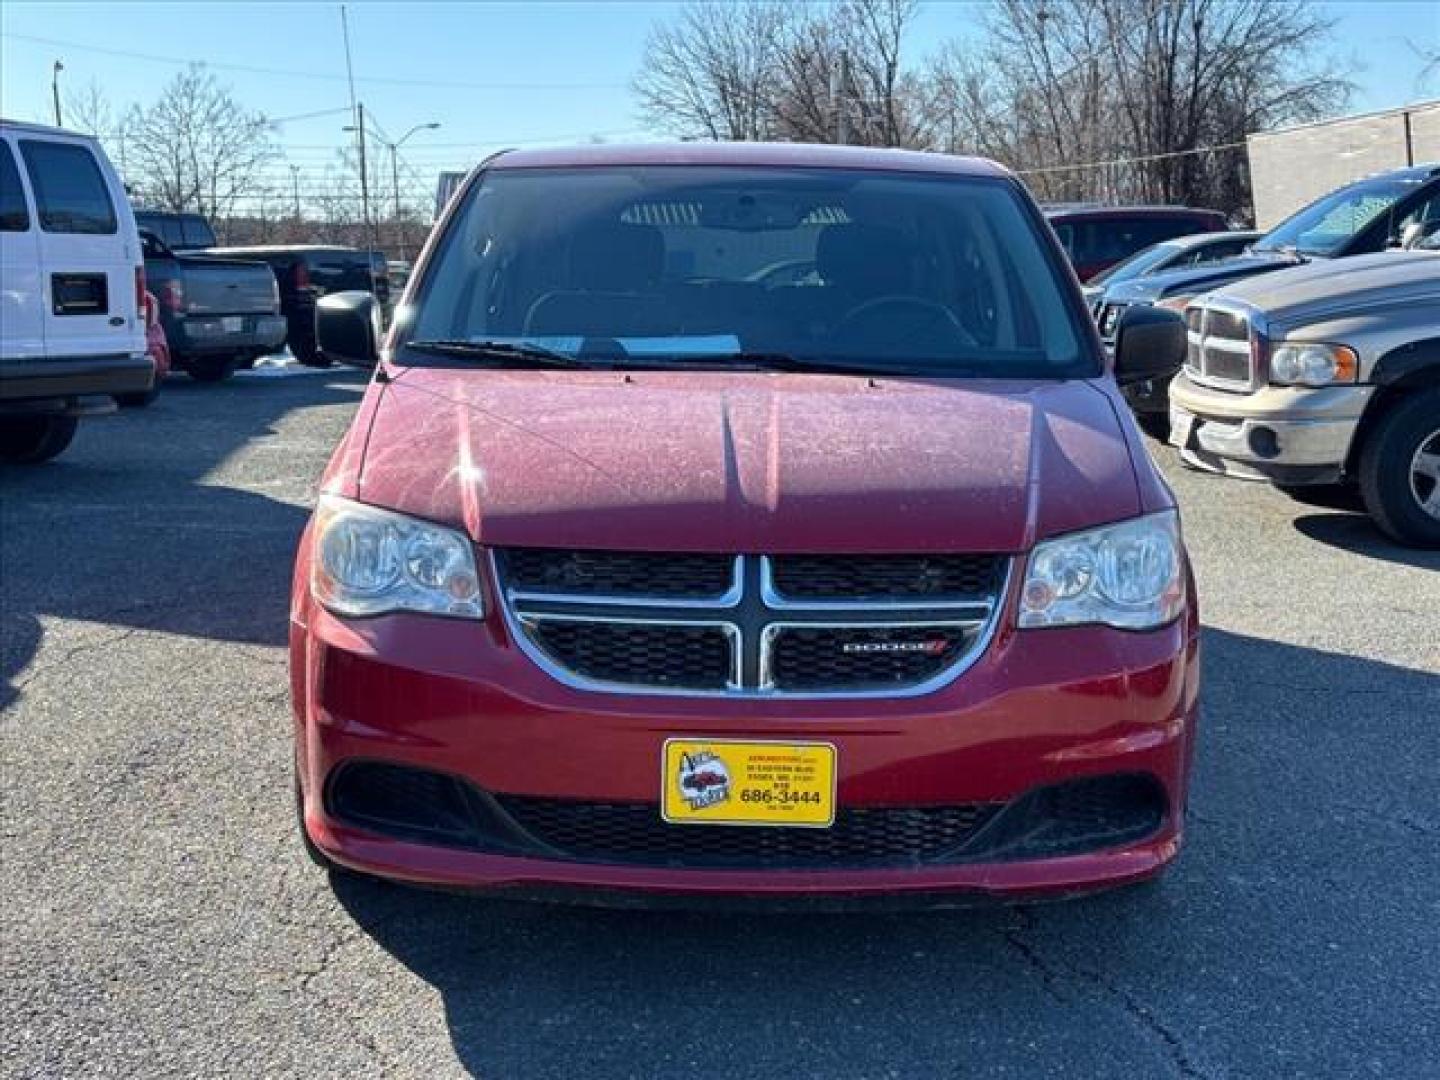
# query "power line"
(1131, 160)
(323, 76)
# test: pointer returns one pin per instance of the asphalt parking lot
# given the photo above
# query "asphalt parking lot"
(159, 917)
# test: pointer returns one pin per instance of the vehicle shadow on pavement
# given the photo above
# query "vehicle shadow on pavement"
(154, 521)
(1357, 534)
(1302, 814)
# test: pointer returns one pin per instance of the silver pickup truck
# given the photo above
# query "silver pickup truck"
(219, 314)
(1328, 373)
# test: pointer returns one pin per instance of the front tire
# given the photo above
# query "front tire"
(212, 369)
(1400, 471)
(32, 440)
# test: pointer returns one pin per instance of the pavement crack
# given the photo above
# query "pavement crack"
(75, 651)
(1053, 975)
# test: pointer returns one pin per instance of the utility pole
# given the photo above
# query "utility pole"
(395, 187)
(364, 177)
(839, 87)
(295, 185)
(394, 148)
(55, 90)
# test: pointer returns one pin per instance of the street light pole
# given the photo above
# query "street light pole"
(395, 178)
(55, 90)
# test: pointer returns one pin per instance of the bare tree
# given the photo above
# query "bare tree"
(843, 78)
(1122, 99)
(196, 148)
(810, 72)
(713, 72)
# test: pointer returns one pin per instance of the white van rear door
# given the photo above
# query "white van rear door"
(22, 293)
(89, 250)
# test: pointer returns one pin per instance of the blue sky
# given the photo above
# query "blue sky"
(534, 72)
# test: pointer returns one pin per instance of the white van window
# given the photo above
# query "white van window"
(70, 194)
(14, 217)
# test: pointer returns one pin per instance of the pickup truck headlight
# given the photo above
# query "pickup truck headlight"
(1128, 575)
(1313, 365)
(367, 561)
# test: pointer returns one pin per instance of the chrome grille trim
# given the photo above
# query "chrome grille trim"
(1218, 320)
(752, 625)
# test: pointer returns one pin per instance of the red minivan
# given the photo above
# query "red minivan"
(744, 520)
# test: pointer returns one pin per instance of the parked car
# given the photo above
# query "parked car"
(72, 289)
(307, 272)
(1183, 252)
(158, 349)
(1323, 374)
(1367, 216)
(219, 314)
(303, 272)
(611, 496)
(179, 232)
(1097, 237)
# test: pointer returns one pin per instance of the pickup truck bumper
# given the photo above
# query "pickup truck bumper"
(1284, 434)
(70, 385)
(200, 335)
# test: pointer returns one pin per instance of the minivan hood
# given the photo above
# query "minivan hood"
(747, 462)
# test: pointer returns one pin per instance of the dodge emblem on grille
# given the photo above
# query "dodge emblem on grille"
(933, 647)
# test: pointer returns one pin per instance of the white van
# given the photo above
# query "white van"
(72, 290)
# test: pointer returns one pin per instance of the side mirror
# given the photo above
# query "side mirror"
(1150, 343)
(347, 328)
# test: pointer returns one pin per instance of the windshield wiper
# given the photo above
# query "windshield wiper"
(538, 355)
(777, 361)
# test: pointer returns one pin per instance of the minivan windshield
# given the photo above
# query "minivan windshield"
(1328, 224)
(725, 266)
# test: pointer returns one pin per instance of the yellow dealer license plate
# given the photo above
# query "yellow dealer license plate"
(719, 782)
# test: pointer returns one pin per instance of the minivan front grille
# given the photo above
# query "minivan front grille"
(1219, 347)
(811, 625)
(618, 573)
(885, 578)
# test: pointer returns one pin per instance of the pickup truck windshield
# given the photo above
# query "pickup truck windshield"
(897, 273)
(1327, 225)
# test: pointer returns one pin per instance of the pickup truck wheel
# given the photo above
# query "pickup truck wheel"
(31, 440)
(212, 368)
(1400, 471)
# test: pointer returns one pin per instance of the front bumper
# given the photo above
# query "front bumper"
(1278, 433)
(1039, 708)
(197, 335)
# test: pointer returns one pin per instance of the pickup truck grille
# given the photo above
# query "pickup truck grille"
(1219, 349)
(805, 625)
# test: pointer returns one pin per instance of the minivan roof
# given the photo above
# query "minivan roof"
(758, 154)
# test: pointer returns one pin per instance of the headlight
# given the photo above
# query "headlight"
(1127, 575)
(1313, 365)
(367, 561)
